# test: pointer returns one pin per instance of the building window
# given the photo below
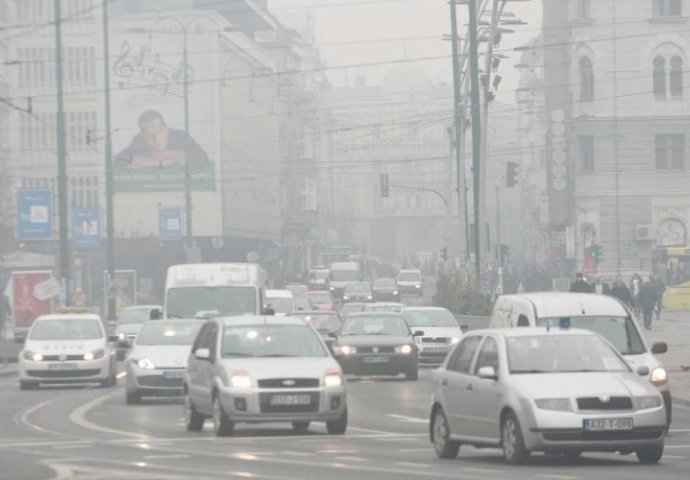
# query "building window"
(667, 8)
(676, 77)
(670, 152)
(585, 152)
(659, 77)
(586, 79)
(582, 10)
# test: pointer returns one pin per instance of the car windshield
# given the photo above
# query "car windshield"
(186, 302)
(562, 354)
(375, 325)
(430, 318)
(134, 315)
(302, 303)
(320, 298)
(323, 323)
(357, 288)
(344, 275)
(620, 331)
(384, 283)
(271, 341)
(281, 304)
(67, 329)
(349, 308)
(409, 276)
(168, 333)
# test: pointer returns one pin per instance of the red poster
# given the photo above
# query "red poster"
(26, 306)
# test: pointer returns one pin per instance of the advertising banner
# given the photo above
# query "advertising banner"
(35, 214)
(86, 228)
(170, 223)
(28, 298)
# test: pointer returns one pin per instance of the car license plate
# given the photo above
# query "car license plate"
(376, 359)
(604, 424)
(173, 374)
(62, 366)
(291, 400)
(436, 349)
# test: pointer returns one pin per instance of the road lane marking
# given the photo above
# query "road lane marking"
(78, 417)
(676, 446)
(680, 457)
(674, 430)
(168, 456)
(350, 459)
(557, 477)
(74, 445)
(121, 374)
(415, 450)
(298, 454)
(406, 419)
(482, 470)
(337, 451)
(413, 464)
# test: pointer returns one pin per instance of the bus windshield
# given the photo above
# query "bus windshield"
(187, 302)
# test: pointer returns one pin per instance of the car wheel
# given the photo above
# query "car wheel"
(28, 385)
(514, 451)
(222, 425)
(300, 427)
(412, 374)
(193, 420)
(338, 427)
(440, 436)
(650, 455)
(132, 397)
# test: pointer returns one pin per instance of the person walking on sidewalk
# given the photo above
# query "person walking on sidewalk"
(648, 298)
(579, 285)
(635, 287)
(621, 291)
(660, 288)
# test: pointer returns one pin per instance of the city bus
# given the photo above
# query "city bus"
(672, 266)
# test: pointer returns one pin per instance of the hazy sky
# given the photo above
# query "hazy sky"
(356, 32)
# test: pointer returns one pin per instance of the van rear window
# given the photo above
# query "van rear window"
(620, 331)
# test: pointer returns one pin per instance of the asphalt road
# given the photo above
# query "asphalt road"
(89, 433)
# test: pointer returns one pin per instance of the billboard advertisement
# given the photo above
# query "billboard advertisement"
(32, 296)
(153, 144)
(86, 228)
(34, 214)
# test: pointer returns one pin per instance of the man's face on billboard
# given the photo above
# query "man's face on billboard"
(155, 131)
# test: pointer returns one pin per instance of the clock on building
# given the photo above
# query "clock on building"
(671, 233)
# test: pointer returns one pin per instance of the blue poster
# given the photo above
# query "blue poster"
(86, 228)
(170, 223)
(35, 214)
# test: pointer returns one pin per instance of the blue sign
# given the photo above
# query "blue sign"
(86, 228)
(170, 223)
(35, 214)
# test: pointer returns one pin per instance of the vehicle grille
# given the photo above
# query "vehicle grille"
(595, 403)
(371, 349)
(434, 340)
(642, 433)
(56, 358)
(266, 407)
(63, 373)
(159, 381)
(299, 383)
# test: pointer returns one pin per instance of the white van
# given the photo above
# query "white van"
(213, 289)
(602, 314)
(342, 273)
(281, 302)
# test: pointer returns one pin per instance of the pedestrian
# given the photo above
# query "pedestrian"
(648, 298)
(660, 288)
(635, 287)
(579, 285)
(621, 291)
(601, 287)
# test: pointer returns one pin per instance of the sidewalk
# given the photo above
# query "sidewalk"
(9, 351)
(674, 329)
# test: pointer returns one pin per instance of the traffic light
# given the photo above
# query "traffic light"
(444, 253)
(595, 253)
(512, 177)
(385, 186)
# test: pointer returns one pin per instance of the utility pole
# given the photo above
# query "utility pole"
(187, 167)
(62, 160)
(459, 133)
(109, 191)
(476, 135)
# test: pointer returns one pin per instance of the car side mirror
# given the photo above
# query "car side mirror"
(659, 348)
(418, 333)
(464, 328)
(113, 338)
(20, 340)
(487, 373)
(642, 370)
(203, 354)
(155, 314)
(269, 311)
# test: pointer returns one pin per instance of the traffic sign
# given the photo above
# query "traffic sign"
(35, 214)
(86, 228)
(170, 223)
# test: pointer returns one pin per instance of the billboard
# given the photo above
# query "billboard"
(34, 214)
(86, 228)
(31, 297)
(152, 141)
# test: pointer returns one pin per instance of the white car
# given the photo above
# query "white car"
(68, 348)
(440, 330)
(410, 282)
(281, 301)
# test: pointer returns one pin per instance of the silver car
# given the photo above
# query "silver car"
(261, 370)
(440, 330)
(158, 360)
(558, 391)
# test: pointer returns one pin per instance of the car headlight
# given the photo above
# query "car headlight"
(240, 380)
(145, 363)
(333, 379)
(647, 402)
(348, 350)
(659, 376)
(395, 292)
(95, 355)
(454, 340)
(121, 336)
(558, 404)
(417, 286)
(404, 349)
(331, 288)
(34, 357)
(345, 297)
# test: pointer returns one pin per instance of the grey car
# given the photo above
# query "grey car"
(263, 370)
(158, 360)
(128, 324)
(558, 391)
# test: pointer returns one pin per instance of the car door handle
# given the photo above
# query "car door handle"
(470, 387)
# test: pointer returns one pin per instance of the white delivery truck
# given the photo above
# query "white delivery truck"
(342, 273)
(213, 289)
